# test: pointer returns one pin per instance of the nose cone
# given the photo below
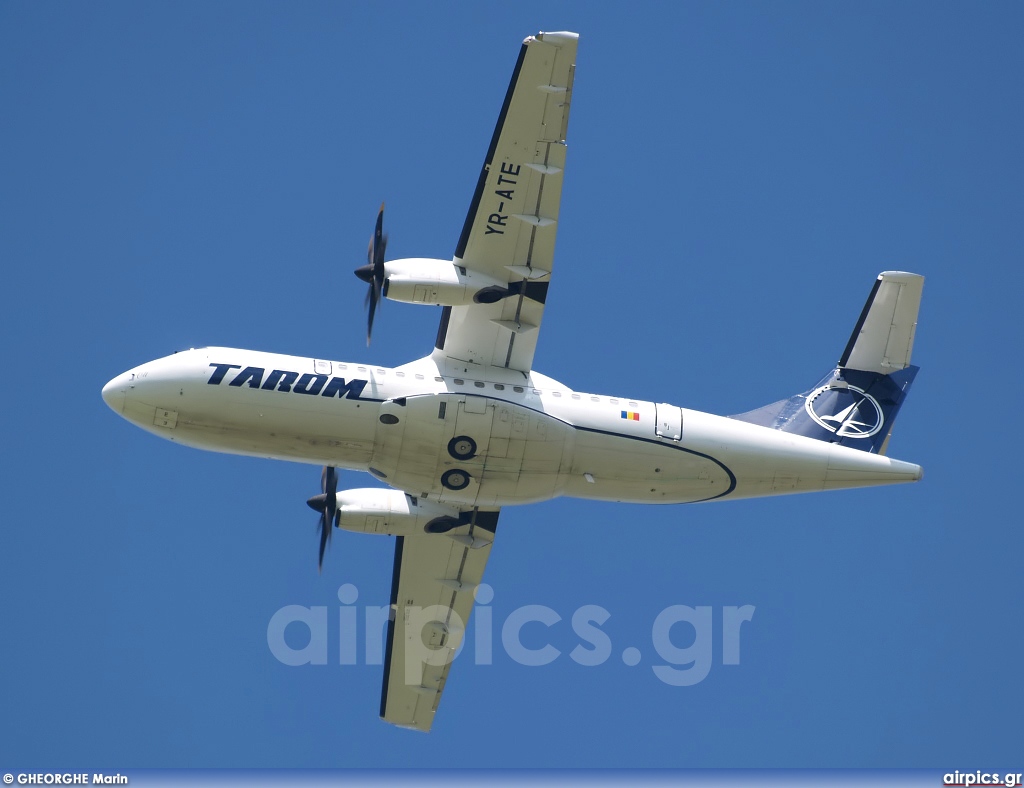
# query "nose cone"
(318, 503)
(365, 272)
(114, 392)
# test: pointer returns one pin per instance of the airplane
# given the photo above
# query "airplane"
(471, 428)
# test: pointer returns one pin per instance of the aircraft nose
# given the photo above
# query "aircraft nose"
(114, 392)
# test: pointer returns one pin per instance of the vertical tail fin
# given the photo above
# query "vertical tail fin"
(857, 403)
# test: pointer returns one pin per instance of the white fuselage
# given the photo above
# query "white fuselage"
(530, 438)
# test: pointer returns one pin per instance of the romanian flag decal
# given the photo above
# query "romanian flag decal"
(631, 415)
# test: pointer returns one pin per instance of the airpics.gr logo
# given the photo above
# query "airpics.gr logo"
(848, 411)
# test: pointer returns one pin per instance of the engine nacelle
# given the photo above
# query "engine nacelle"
(418, 280)
(378, 511)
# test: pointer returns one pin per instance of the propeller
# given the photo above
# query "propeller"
(327, 504)
(373, 272)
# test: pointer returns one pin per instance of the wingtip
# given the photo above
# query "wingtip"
(557, 37)
(901, 276)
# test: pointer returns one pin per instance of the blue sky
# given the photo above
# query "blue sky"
(176, 175)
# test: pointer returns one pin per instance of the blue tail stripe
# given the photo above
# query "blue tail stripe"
(851, 407)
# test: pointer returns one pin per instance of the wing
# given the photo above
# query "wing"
(510, 229)
(431, 599)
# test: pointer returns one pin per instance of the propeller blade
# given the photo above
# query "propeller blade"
(371, 296)
(382, 247)
(327, 504)
(325, 536)
(331, 492)
(379, 240)
(329, 480)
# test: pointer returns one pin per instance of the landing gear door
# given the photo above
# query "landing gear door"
(461, 464)
(669, 422)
